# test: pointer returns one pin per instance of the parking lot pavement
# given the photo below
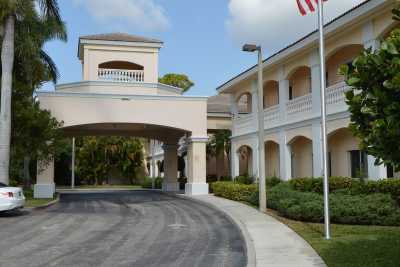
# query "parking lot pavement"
(121, 228)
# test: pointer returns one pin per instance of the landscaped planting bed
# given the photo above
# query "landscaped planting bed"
(351, 201)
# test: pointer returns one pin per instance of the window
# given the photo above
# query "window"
(359, 164)
(290, 92)
(390, 171)
(329, 164)
(350, 65)
(327, 79)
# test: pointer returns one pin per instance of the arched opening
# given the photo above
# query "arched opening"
(120, 71)
(302, 157)
(386, 33)
(121, 65)
(344, 157)
(245, 103)
(271, 159)
(245, 154)
(271, 94)
(343, 56)
(300, 82)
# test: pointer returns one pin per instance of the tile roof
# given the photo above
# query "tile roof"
(221, 104)
(119, 37)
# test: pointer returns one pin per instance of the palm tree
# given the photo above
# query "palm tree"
(21, 12)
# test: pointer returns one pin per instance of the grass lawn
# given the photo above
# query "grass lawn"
(32, 203)
(351, 245)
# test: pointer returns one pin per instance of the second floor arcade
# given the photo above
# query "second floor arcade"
(291, 85)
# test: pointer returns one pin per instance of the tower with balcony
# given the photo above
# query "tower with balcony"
(119, 63)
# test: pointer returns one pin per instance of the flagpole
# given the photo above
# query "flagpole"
(323, 111)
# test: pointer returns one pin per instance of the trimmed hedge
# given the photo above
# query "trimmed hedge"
(235, 191)
(147, 183)
(353, 186)
(363, 209)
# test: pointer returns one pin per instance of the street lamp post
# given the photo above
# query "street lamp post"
(261, 154)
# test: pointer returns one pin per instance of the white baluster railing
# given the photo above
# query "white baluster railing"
(244, 123)
(299, 104)
(118, 75)
(336, 93)
(272, 113)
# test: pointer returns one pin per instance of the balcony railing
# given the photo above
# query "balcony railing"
(299, 104)
(116, 75)
(272, 113)
(335, 94)
(244, 123)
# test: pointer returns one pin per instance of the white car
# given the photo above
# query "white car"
(11, 198)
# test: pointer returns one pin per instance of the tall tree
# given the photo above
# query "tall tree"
(374, 103)
(21, 12)
(177, 80)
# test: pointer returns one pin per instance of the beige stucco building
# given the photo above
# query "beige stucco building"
(292, 106)
(120, 95)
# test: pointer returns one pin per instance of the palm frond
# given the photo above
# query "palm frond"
(51, 66)
(50, 9)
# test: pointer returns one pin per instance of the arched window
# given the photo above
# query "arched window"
(122, 65)
(300, 82)
(271, 94)
(343, 56)
(245, 103)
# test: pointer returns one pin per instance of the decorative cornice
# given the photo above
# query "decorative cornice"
(124, 97)
(119, 84)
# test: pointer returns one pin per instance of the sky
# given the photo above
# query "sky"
(202, 38)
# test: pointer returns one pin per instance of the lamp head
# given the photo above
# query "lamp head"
(251, 48)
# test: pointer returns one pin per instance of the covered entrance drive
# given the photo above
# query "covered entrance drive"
(166, 118)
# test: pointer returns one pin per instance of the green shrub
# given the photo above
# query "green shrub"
(244, 179)
(345, 207)
(386, 186)
(272, 181)
(316, 184)
(372, 209)
(225, 178)
(351, 185)
(235, 191)
(147, 183)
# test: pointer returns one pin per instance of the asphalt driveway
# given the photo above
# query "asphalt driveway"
(125, 228)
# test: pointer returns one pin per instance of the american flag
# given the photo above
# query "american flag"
(302, 4)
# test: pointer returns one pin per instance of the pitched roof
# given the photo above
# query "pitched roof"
(119, 37)
(365, 2)
(221, 104)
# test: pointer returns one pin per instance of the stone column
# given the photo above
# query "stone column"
(315, 83)
(234, 161)
(285, 158)
(170, 183)
(369, 36)
(197, 184)
(283, 94)
(45, 186)
(253, 167)
(318, 168)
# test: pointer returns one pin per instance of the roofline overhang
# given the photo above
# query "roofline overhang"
(124, 97)
(169, 88)
(309, 41)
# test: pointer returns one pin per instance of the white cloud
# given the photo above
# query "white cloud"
(145, 15)
(276, 23)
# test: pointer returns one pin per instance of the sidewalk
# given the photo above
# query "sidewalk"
(269, 242)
